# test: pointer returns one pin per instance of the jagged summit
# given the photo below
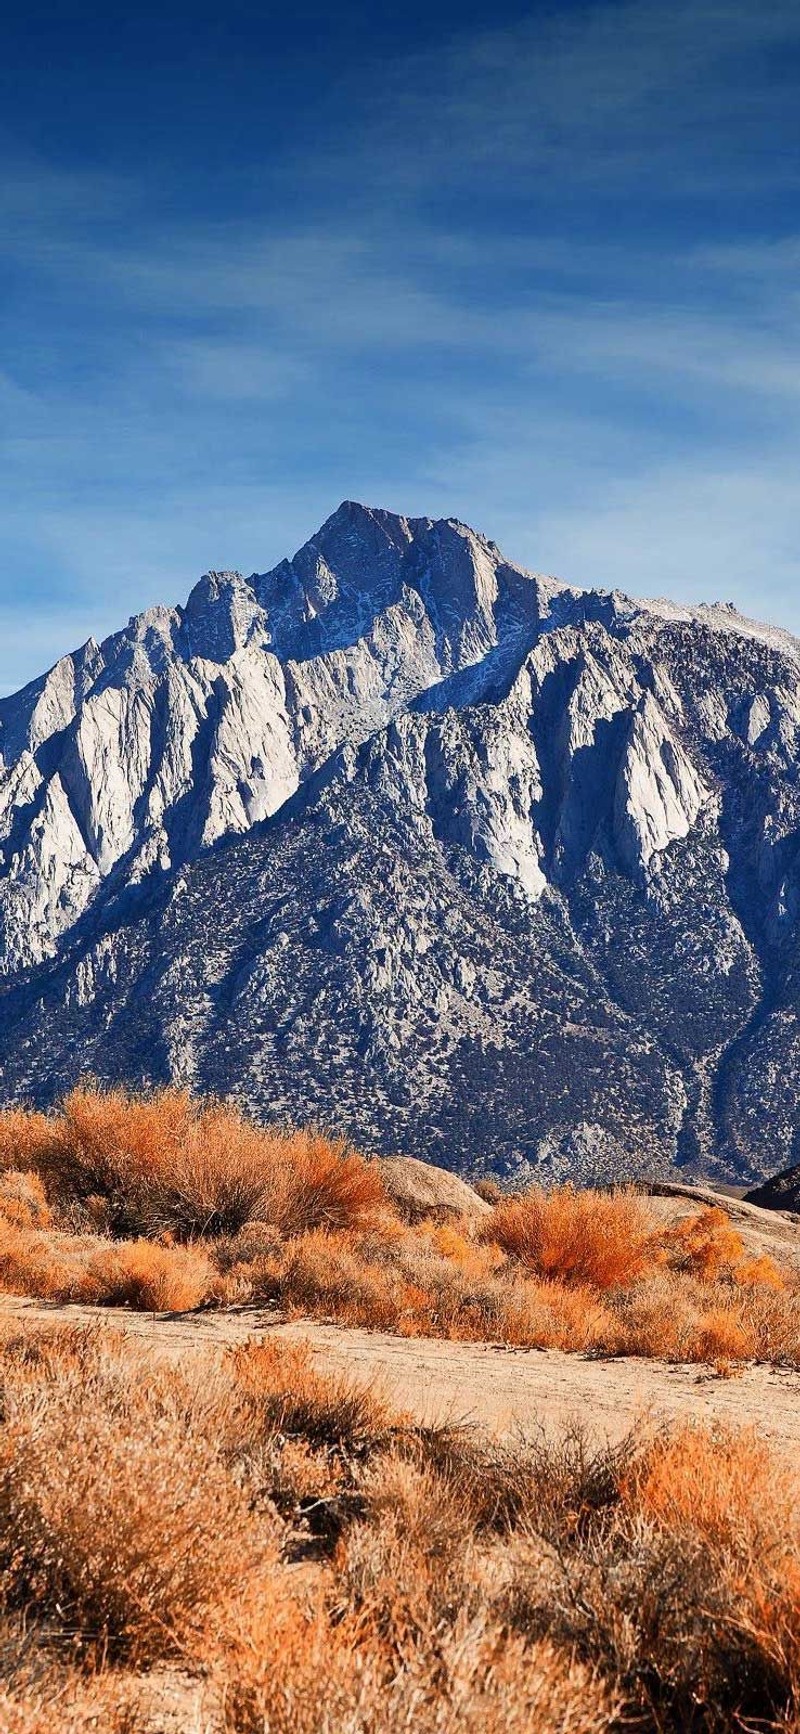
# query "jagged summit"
(510, 867)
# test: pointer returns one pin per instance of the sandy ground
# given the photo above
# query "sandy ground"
(506, 1390)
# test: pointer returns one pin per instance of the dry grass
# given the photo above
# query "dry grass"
(99, 1272)
(590, 1239)
(164, 1203)
(448, 1582)
(286, 1395)
(709, 1246)
(321, 1183)
(688, 1591)
(115, 1517)
(23, 1201)
(24, 1138)
(167, 1163)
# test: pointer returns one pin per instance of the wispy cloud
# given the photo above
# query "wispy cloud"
(539, 275)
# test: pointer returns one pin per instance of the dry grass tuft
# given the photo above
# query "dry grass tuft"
(323, 1183)
(147, 1277)
(283, 1388)
(195, 1169)
(23, 1202)
(97, 1272)
(596, 1239)
(709, 1246)
(24, 1137)
(115, 1518)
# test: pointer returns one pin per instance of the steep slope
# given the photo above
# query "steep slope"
(482, 865)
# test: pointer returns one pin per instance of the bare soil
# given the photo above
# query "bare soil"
(506, 1390)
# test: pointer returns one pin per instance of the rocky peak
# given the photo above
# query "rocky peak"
(530, 854)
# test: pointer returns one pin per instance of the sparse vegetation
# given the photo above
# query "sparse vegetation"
(153, 1519)
(163, 1203)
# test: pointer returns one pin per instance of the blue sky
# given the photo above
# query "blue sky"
(535, 266)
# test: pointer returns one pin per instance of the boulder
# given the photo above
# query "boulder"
(419, 1189)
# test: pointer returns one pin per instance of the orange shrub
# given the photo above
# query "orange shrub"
(50, 1699)
(721, 1335)
(284, 1389)
(708, 1246)
(324, 1183)
(602, 1239)
(24, 1136)
(705, 1244)
(200, 1169)
(41, 1264)
(476, 1258)
(148, 1277)
(115, 1517)
(158, 1162)
(70, 1267)
(727, 1486)
(550, 1315)
(218, 1178)
(326, 1274)
(22, 1200)
(761, 1272)
(289, 1670)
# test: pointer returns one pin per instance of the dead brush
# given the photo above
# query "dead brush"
(114, 1517)
(465, 1583)
(23, 1203)
(300, 1676)
(407, 1566)
(196, 1169)
(323, 1183)
(65, 1700)
(286, 1395)
(559, 1489)
(686, 1594)
(25, 1137)
(600, 1240)
(709, 1246)
(98, 1272)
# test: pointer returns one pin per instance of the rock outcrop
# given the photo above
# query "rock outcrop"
(480, 866)
(420, 1191)
(780, 1192)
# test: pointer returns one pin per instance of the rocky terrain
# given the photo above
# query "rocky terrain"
(780, 1192)
(485, 867)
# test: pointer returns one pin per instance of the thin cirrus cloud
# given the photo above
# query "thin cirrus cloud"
(676, 94)
(541, 275)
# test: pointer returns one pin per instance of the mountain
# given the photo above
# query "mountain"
(474, 864)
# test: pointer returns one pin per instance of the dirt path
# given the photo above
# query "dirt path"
(504, 1389)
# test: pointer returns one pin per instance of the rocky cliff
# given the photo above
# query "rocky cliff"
(478, 865)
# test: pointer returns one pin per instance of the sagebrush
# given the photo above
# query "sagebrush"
(311, 1561)
(165, 1203)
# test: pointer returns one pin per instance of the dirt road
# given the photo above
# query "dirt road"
(503, 1389)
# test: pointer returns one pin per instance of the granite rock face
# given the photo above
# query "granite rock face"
(475, 864)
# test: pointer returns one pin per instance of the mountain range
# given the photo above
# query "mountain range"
(465, 861)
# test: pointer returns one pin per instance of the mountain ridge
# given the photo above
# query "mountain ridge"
(605, 789)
